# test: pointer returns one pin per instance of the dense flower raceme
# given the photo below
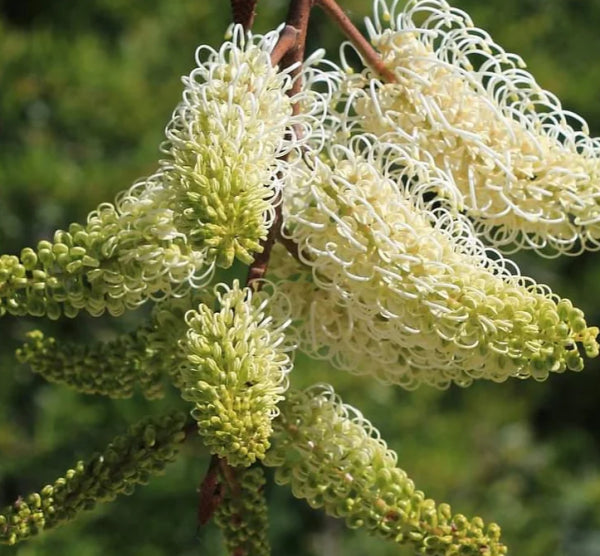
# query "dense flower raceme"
(212, 200)
(227, 144)
(528, 172)
(128, 460)
(125, 254)
(243, 514)
(334, 458)
(396, 286)
(143, 358)
(236, 371)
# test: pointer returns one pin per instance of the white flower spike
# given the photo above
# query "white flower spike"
(528, 171)
(400, 288)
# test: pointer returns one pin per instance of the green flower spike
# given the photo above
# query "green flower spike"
(396, 286)
(144, 357)
(109, 369)
(212, 200)
(225, 147)
(128, 460)
(126, 254)
(242, 514)
(334, 458)
(236, 372)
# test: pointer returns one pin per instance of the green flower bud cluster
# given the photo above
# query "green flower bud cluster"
(410, 294)
(242, 515)
(124, 255)
(143, 357)
(167, 330)
(334, 458)
(109, 369)
(235, 373)
(225, 145)
(528, 171)
(128, 460)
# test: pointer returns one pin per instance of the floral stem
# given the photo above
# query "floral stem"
(211, 493)
(289, 50)
(243, 12)
(297, 18)
(258, 268)
(371, 57)
(287, 41)
(290, 245)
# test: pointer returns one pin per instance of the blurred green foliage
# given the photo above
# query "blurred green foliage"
(86, 89)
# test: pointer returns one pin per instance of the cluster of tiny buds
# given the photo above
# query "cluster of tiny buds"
(143, 358)
(242, 515)
(235, 372)
(128, 460)
(335, 459)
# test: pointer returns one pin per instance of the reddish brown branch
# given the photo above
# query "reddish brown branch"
(258, 268)
(230, 476)
(244, 12)
(290, 48)
(369, 54)
(211, 493)
(287, 40)
(290, 245)
(298, 17)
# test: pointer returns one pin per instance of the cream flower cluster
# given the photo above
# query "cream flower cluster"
(399, 287)
(125, 254)
(213, 198)
(335, 459)
(236, 372)
(226, 145)
(528, 171)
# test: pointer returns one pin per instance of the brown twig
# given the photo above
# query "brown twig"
(244, 12)
(298, 17)
(211, 493)
(230, 477)
(287, 40)
(258, 268)
(369, 54)
(290, 50)
(290, 245)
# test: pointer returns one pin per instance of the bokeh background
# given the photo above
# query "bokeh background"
(85, 91)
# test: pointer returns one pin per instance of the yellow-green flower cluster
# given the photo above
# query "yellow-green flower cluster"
(528, 171)
(334, 458)
(242, 514)
(125, 254)
(225, 145)
(236, 372)
(110, 369)
(143, 357)
(212, 200)
(128, 460)
(401, 288)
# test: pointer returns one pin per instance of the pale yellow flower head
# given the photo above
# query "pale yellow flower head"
(235, 373)
(399, 287)
(334, 458)
(226, 144)
(527, 170)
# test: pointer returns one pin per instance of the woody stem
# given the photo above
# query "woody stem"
(371, 57)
